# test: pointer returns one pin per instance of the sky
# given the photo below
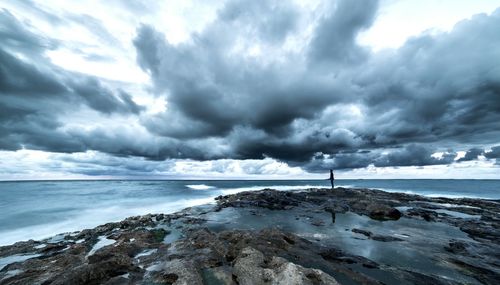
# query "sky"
(236, 89)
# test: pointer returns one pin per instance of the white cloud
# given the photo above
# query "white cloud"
(399, 20)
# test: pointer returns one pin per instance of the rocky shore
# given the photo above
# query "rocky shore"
(314, 236)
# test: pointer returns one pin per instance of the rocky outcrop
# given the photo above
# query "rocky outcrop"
(251, 268)
(300, 237)
(383, 212)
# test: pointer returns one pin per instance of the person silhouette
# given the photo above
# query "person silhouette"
(332, 178)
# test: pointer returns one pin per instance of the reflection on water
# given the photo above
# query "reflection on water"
(457, 214)
(419, 251)
(4, 261)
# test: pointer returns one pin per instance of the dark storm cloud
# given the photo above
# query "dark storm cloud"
(414, 155)
(262, 80)
(433, 93)
(437, 87)
(34, 93)
(217, 90)
(102, 99)
(493, 153)
(471, 154)
(339, 161)
(410, 155)
(24, 79)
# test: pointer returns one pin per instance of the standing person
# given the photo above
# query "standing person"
(332, 178)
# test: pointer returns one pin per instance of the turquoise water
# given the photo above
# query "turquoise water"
(40, 209)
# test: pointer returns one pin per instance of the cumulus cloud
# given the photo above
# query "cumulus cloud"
(436, 89)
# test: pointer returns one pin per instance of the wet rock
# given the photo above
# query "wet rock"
(363, 232)
(336, 207)
(480, 230)
(318, 223)
(19, 248)
(337, 255)
(266, 198)
(118, 280)
(385, 238)
(372, 236)
(429, 216)
(383, 212)
(484, 275)
(456, 247)
(159, 234)
(95, 273)
(178, 272)
(225, 254)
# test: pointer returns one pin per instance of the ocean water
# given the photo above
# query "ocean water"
(40, 209)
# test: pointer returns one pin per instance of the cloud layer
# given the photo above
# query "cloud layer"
(328, 96)
(264, 79)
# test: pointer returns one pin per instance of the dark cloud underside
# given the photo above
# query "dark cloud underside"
(254, 84)
(433, 93)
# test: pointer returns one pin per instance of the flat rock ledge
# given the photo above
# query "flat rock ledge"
(199, 245)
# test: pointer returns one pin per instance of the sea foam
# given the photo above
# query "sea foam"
(199, 187)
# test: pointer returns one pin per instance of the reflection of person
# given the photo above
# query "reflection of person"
(332, 178)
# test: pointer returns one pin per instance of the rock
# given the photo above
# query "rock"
(248, 268)
(97, 272)
(480, 230)
(363, 232)
(180, 272)
(383, 212)
(317, 222)
(251, 268)
(370, 235)
(221, 275)
(427, 215)
(216, 252)
(266, 198)
(336, 255)
(456, 247)
(159, 234)
(484, 275)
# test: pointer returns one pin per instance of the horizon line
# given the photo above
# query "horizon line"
(312, 179)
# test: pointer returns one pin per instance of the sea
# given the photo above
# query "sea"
(41, 209)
